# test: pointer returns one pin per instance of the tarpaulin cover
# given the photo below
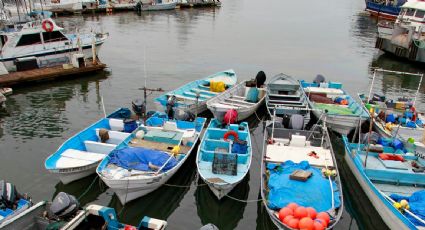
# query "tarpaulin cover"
(315, 192)
(416, 203)
(138, 158)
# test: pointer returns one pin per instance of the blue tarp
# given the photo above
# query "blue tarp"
(416, 203)
(315, 192)
(138, 158)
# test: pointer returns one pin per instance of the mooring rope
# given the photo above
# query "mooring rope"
(88, 189)
(243, 201)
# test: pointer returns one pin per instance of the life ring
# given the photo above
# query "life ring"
(231, 132)
(47, 25)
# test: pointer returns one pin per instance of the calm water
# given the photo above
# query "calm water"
(301, 38)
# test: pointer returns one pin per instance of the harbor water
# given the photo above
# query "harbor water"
(167, 49)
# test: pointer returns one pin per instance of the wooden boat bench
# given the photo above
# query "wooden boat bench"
(115, 137)
(78, 158)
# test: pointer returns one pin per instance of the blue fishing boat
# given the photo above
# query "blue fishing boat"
(79, 156)
(150, 156)
(224, 156)
(390, 172)
(384, 9)
(342, 112)
(193, 96)
(64, 213)
(11, 203)
(299, 168)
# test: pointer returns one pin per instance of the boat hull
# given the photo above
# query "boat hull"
(52, 57)
(72, 174)
(220, 191)
(382, 11)
(341, 124)
(165, 6)
(390, 219)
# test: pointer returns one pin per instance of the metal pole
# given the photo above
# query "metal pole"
(368, 138)
(103, 106)
(417, 91)
(274, 115)
(371, 86)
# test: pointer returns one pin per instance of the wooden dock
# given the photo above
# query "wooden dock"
(48, 73)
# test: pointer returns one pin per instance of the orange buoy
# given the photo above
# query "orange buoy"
(311, 212)
(287, 219)
(300, 212)
(283, 212)
(322, 222)
(293, 223)
(324, 216)
(292, 206)
(318, 226)
(306, 223)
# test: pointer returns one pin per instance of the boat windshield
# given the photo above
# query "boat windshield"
(409, 12)
(420, 14)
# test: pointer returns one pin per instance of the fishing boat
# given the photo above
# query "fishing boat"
(2, 101)
(193, 96)
(150, 157)
(222, 161)
(395, 118)
(405, 37)
(156, 5)
(64, 213)
(298, 162)
(329, 99)
(388, 176)
(43, 43)
(384, 9)
(238, 98)
(79, 156)
(286, 95)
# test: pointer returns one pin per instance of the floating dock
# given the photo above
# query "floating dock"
(49, 73)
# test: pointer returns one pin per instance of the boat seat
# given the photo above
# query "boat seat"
(98, 147)
(200, 95)
(188, 98)
(76, 158)
(170, 126)
(116, 124)
(115, 137)
(203, 91)
(297, 141)
(228, 105)
(279, 153)
(396, 176)
(239, 101)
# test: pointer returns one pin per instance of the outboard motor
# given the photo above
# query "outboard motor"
(187, 116)
(260, 79)
(171, 102)
(319, 79)
(139, 107)
(296, 122)
(64, 205)
(8, 195)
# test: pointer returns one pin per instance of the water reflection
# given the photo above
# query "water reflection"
(39, 111)
(162, 202)
(225, 213)
(263, 218)
(85, 190)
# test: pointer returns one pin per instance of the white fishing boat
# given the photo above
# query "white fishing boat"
(43, 43)
(222, 163)
(193, 96)
(237, 98)
(329, 99)
(79, 156)
(299, 168)
(150, 157)
(395, 117)
(285, 94)
(156, 5)
(405, 38)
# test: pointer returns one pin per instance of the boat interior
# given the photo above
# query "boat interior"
(220, 161)
(89, 146)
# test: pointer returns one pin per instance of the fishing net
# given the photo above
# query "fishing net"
(225, 164)
(334, 109)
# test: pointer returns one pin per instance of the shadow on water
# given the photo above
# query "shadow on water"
(85, 190)
(263, 218)
(225, 213)
(391, 62)
(162, 202)
(357, 204)
(38, 110)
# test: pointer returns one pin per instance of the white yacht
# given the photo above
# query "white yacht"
(406, 37)
(44, 40)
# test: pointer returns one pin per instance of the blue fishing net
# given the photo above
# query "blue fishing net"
(315, 192)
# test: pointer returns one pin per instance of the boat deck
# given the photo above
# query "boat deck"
(48, 73)
(166, 147)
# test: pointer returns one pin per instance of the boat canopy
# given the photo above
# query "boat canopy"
(419, 5)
